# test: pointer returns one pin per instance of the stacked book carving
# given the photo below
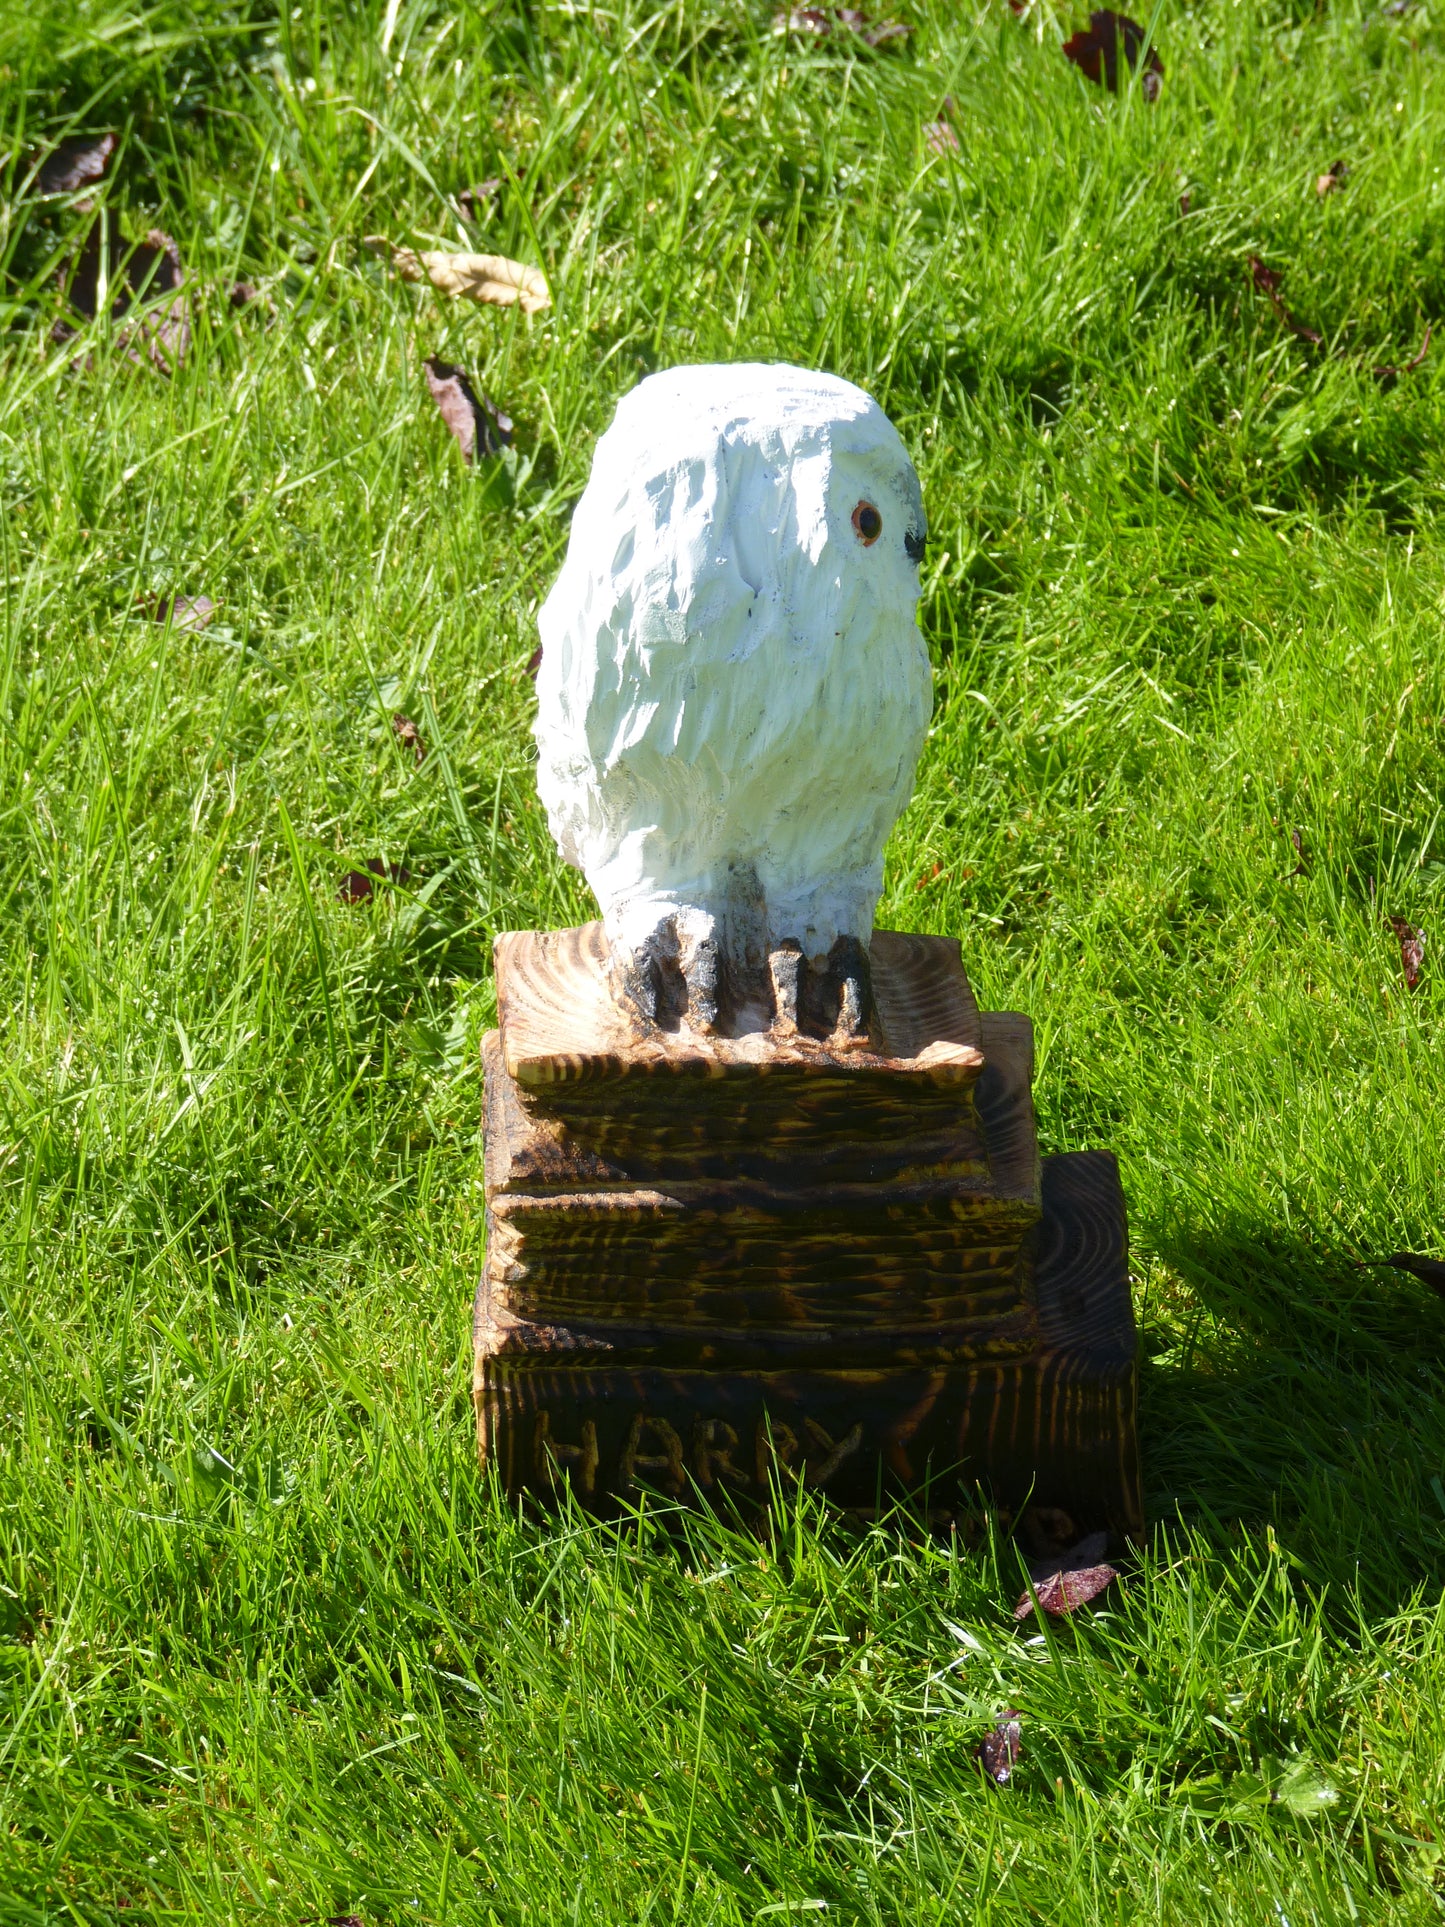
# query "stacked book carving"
(718, 1265)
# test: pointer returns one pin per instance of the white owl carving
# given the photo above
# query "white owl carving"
(733, 692)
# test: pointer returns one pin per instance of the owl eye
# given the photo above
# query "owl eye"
(868, 522)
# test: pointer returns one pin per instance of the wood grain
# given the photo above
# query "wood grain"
(562, 1023)
(725, 1261)
(1055, 1427)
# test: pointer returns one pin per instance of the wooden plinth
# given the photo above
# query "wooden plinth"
(714, 1262)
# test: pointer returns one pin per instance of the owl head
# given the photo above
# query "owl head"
(734, 500)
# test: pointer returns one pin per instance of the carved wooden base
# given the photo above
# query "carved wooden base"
(717, 1262)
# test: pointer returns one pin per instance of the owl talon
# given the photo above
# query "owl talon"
(848, 979)
(785, 968)
(652, 981)
(852, 1021)
(701, 974)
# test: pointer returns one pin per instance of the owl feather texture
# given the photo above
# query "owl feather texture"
(734, 693)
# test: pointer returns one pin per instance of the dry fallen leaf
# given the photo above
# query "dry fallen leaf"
(828, 20)
(999, 1751)
(408, 733)
(184, 611)
(480, 277)
(1389, 370)
(359, 886)
(472, 200)
(1267, 280)
(1062, 1582)
(1095, 51)
(1429, 1271)
(142, 272)
(75, 163)
(1412, 949)
(480, 427)
(534, 662)
(1327, 182)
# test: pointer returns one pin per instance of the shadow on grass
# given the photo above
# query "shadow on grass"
(1307, 1396)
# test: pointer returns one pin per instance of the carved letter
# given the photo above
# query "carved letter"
(668, 1461)
(713, 1443)
(775, 1446)
(549, 1454)
(819, 1470)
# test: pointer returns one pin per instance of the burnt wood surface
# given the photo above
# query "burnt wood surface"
(715, 1263)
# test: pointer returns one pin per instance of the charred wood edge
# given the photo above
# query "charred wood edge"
(562, 1021)
(534, 1144)
(1058, 1428)
(527, 1344)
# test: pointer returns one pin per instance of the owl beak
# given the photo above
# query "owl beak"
(914, 546)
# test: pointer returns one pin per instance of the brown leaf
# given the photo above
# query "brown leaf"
(534, 662)
(149, 269)
(1327, 182)
(184, 611)
(359, 886)
(408, 733)
(1000, 1750)
(1065, 1581)
(1412, 949)
(1095, 51)
(1389, 371)
(480, 277)
(472, 200)
(74, 163)
(1429, 1270)
(478, 424)
(1267, 280)
(829, 20)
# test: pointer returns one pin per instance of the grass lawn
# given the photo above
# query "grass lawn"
(269, 1647)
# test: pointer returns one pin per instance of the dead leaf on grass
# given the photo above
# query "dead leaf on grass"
(184, 611)
(823, 21)
(107, 269)
(75, 163)
(1412, 950)
(1268, 280)
(1429, 1271)
(999, 1751)
(480, 427)
(938, 135)
(534, 662)
(1063, 1582)
(472, 200)
(1389, 370)
(1333, 176)
(1095, 51)
(408, 733)
(488, 278)
(359, 886)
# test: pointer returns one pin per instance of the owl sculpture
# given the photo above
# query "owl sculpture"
(733, 694)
